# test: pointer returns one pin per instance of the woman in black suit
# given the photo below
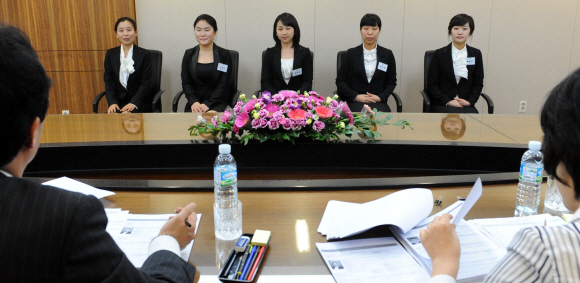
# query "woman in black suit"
(288, 65)
(128, 73)
(205, 70)
(456, 73)
(368, 73)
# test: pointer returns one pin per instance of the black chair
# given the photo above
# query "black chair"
(258, 93)
(156, 64)
(397, 98)
(232, 82)
(425, 94)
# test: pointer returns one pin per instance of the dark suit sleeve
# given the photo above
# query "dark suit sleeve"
(187, 83)
(344, 91)
(145, 84)
(92, 255)
(477, 84)
(220, 93)
(433, 81)
(307, 71)
(267, 76)
(110, 78)
(390, 78)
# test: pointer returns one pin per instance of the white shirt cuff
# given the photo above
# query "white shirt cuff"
(441, 278)
(135, 106)
(164, 242)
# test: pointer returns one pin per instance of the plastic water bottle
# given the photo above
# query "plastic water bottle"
(227, 207)
(531, 176)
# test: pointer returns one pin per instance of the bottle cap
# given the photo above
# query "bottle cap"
(535, 145)
(225, 148)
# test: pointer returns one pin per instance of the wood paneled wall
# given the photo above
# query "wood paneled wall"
(71, 38)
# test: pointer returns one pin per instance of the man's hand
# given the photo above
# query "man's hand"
(441, 243)
(364, 98)
(178, 229)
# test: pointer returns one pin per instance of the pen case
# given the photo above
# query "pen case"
(223, 276)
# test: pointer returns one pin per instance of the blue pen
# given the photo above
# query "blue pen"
(246, 267)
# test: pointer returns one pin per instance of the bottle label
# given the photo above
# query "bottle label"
(226, 175)
(531, 173)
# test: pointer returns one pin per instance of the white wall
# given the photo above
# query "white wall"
(527, 45)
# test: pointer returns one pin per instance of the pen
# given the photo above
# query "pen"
(256, 263)
(227, 270)
(232, 272)
(248, 263)
(186, 222)
(243, 262)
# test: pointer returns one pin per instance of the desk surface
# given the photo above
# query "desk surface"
(172, 128)
(279, 211)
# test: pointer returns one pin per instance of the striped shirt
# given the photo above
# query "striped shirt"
(538, 254)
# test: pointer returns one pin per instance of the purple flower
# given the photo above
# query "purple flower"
(236, 129)
(214, 120)
(333, 105)
(263, 113)
(278, 115)
(263, 122)
(318, 126)
(296, 125)
(273, 124)
(256, 123)
(226, 116)
(238, 108)
(266, 93)
(278, 97)
(286, 123)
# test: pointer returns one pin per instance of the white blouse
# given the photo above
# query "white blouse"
(287, 65)
(459, 58)
(370, 57)
(126, 68)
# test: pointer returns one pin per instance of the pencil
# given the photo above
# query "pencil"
(258, 258)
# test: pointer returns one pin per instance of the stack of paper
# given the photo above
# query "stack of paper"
(403, 209)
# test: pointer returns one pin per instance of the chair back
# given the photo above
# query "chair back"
(233, 79)
(339, 56)
(156, 66)
(426, 66)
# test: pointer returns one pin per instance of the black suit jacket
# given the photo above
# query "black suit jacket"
(139, 90)
(352, 78)
(52, 235)
(272, 79)
(441, 84)
(213, 93)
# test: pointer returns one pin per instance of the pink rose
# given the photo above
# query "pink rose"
(318, 126)
(226, 117)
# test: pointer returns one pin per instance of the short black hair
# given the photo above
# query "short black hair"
(120, 20)
(461, 20)
(288, 20)
(370, 20)
(560, 120)
(209, 19)
(24, 90)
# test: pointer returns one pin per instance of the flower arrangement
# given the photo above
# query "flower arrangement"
(289, 115)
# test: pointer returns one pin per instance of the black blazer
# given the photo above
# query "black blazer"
(213, 93)
(272, 79)
(138, 89)
(441, 84)
(52, 235)
(352, 78)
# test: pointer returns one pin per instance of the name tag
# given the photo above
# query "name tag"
(297, 72)
(382, 67)
(222, 67)
(470, 60)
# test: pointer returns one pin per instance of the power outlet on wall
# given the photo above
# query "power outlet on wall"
(65, 112)
(523, 105)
